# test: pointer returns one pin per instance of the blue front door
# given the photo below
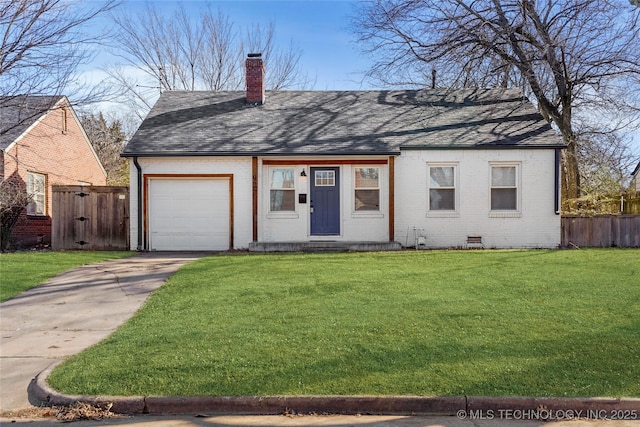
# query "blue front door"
(325, 201)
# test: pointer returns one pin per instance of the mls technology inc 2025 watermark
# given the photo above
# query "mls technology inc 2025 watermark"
(547, 414)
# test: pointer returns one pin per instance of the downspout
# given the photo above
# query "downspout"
(556, 182)
(135, 162)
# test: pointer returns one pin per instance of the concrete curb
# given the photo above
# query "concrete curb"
(462, 406)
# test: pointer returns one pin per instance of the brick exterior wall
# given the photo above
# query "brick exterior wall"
(534, 225)
(55, 147)
(239, 167)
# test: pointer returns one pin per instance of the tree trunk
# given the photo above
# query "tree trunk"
(570, 172)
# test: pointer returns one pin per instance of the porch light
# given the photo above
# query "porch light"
(303, 177)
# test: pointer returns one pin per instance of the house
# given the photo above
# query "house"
(263, 170)
(42, 144)
(635, 179)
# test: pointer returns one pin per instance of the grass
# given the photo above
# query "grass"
(20, 271)
(497, 323)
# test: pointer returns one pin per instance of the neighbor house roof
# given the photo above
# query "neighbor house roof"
(18, 113)
(339, 122)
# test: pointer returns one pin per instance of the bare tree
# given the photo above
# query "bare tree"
(605, 161)
(43, 44)
(13, 200)
(569, 55)
(108, 140)
(178, 52)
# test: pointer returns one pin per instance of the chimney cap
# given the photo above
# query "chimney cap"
(254, 55)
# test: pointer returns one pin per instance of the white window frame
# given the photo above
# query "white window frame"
(274, 188)
(444, 213)
(356, 188)
(37, 188)
(506, 213)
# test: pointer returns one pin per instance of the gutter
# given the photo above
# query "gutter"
(135, 162)
(259, 154)
(481, 147)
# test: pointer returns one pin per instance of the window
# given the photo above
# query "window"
(64, 120)
(442, 188)
(367, 189)
(282, 190)
(37, 188)
(325, 179)
(504, 188)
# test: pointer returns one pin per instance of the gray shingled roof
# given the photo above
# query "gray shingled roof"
(339, 122)
(17, 113)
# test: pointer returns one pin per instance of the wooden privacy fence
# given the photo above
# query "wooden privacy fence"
(605, 231)
(91, 218)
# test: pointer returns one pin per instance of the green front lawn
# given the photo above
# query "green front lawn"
(500, 323)
(20, 271)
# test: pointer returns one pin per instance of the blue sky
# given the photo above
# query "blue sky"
(320, 29)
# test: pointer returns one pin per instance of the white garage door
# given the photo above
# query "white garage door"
(189, 214)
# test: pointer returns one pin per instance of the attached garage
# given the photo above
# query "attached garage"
(189, 213)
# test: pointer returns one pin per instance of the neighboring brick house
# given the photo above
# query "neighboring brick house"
(42, 144)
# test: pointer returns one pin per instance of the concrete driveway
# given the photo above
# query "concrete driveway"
(71, 312)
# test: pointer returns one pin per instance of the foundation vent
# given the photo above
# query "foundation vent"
(474, 242)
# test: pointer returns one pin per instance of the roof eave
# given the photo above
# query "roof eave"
(482, 147)
(258, 153)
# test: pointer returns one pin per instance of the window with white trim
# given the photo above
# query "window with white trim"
(504, 187)
(442, 187)
(37, 189)
(283, 192)
(367, 189)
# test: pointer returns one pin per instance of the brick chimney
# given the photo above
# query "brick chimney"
(255, 78)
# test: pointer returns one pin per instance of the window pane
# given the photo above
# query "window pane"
(282, 200)
(504, 199)
(442, 200)
(441, 177)
(325, 179)
(367, 177)
(367, 200)
(282, 178)
(37, 190)
(503, 176)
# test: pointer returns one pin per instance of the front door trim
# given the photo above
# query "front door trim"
(325, 211)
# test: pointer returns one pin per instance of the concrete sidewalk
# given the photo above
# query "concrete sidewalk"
(316, 420)
(71, 312)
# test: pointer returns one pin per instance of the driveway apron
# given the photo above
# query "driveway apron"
(72, 311)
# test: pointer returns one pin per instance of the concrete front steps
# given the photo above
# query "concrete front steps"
(323, 246)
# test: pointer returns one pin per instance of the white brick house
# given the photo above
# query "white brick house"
(434, 168)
